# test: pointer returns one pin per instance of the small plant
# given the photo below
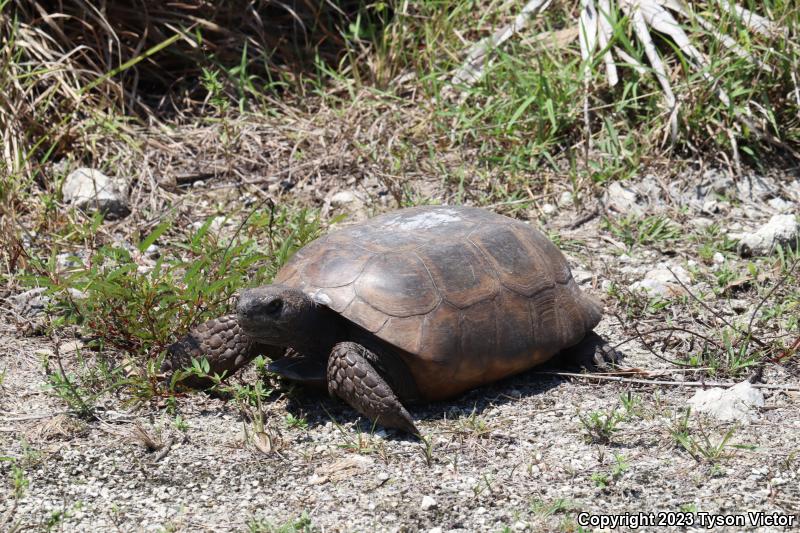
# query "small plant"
(631, 403)
(702, 448)
(483, 484)
(634, 231)
(604, 479)
(600, 427)
(139, 310)
(545, 509)
(302, 524)
(620, 467)
(474, 424)
(181, 424)
(19, 481)
(295, 422)
(600, 479)
(426, 445)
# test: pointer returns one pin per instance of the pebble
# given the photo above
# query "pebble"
(549, 209)
(783, 230)
(779, 204)
(343, 198)
(622, 199)
(661, 282)
(92, 191)
(428, 503)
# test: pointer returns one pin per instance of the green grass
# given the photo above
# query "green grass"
(702, 446)
(302, 524)
(599, 427)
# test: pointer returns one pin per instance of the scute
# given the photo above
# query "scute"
(365, 315)
(397, 284)
(460, 272)
(441, 334)
(335, 265)
(522, 266)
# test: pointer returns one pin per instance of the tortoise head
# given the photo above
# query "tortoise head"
(277, 315)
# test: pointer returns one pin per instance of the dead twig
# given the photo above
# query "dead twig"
(661, 382)
(715, 313)
(164, 450)
(768, 296)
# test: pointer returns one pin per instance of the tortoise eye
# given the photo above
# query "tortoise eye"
(274, 306)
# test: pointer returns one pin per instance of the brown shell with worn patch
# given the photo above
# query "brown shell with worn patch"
(466, 295)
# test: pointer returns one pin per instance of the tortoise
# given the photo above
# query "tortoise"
(416, 305)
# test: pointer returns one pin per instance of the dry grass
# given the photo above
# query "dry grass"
(71, 64)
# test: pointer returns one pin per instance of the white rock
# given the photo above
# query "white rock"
(738, 305)
(754, 187)
(30, 303)
(92, 191)
(701, 222)
(735, 403)
(710, 207)
(781, 230)
(581, 276)
(622, 199)
(779, 204)
(342, 198)
(549, 209)
(216, 224)
(661, 282)
(428, 503)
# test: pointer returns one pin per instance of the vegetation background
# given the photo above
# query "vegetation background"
(234, 124)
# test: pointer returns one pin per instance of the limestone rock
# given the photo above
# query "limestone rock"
(92, 191)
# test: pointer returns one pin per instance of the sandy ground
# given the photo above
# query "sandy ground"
(512, 456)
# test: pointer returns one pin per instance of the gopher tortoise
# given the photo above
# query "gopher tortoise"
(415, 305)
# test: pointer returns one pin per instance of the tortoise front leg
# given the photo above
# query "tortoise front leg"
(352, 378)
(222, 343)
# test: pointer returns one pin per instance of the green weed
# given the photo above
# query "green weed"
(599, 427)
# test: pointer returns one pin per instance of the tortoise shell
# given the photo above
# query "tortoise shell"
(466, 296)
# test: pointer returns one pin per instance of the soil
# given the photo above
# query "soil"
(519, 455)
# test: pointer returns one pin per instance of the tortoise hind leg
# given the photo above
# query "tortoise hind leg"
(592, 353)
(353, 378)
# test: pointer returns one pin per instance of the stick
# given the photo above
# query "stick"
(702, 384)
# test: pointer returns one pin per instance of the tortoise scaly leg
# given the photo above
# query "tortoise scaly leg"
(352, 378)
(593, 353)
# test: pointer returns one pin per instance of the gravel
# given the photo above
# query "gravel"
(519, 454)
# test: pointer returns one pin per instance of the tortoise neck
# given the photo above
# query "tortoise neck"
(317, 335)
